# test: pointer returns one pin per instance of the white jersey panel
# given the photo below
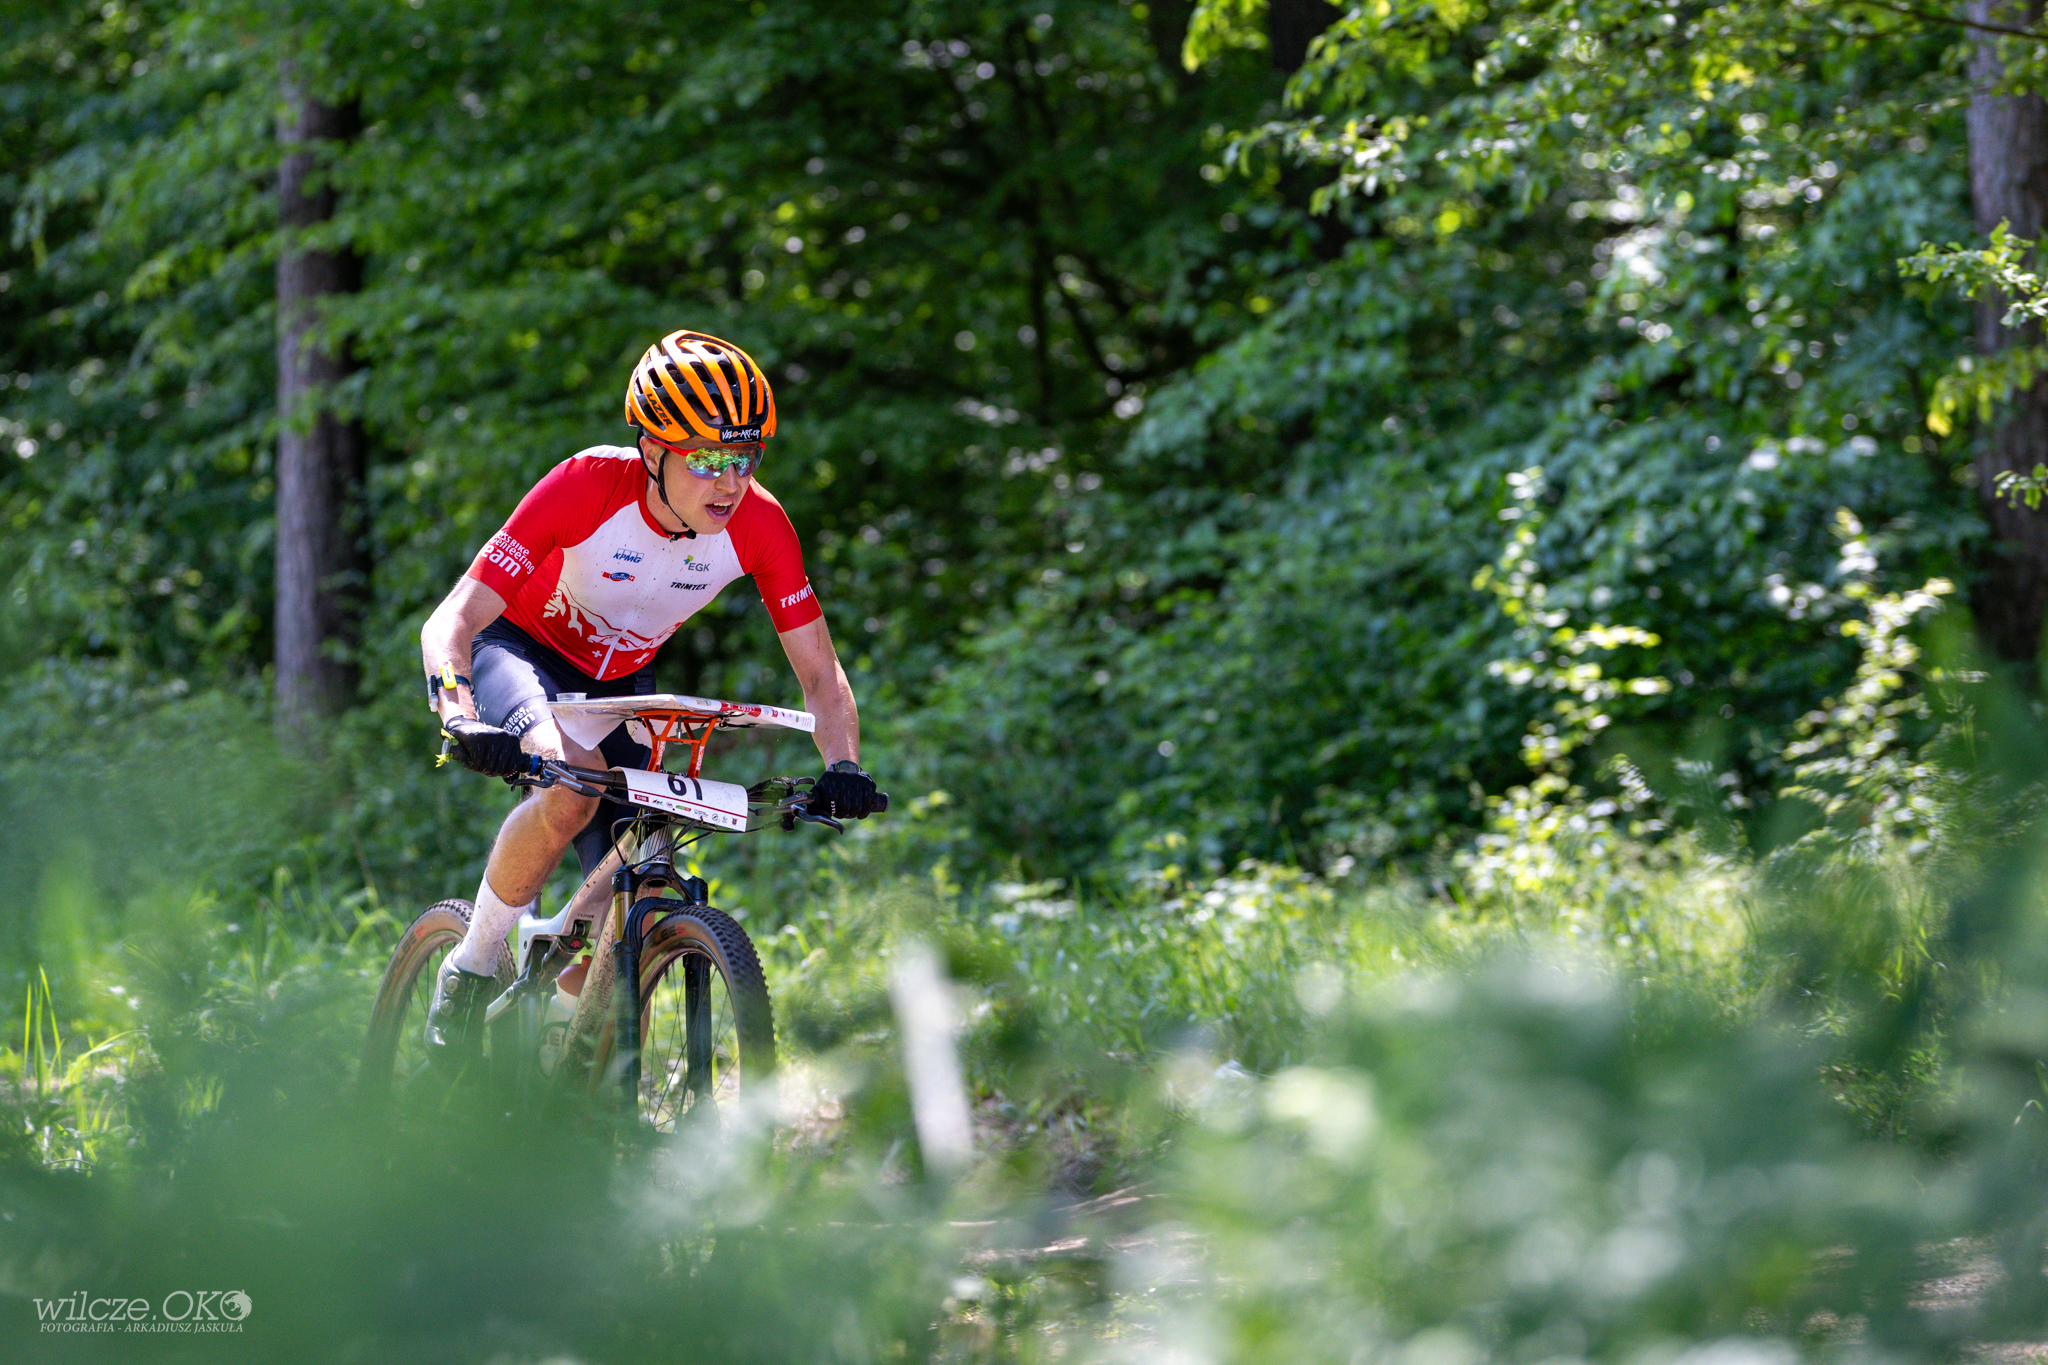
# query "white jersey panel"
(627, 572)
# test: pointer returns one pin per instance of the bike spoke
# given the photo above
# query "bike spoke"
(690, 1055)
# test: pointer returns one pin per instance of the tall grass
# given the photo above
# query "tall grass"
(1251, 1117)
(68, 1111)
(1586, 1090)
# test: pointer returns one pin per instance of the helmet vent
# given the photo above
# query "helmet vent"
(690, 386)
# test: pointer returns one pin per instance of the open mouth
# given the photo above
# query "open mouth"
(719, 510)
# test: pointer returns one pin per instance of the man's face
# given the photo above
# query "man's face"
(705, 505)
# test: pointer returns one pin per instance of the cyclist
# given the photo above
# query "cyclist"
(599, 564)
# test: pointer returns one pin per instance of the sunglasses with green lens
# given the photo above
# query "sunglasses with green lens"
(742, 459)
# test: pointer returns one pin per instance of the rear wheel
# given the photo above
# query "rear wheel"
(395, 1060)
(707, 1030)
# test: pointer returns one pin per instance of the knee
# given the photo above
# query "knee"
(566, 811)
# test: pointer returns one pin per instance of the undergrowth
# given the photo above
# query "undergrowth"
(1605, 1083)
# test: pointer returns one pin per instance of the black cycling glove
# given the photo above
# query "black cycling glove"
(484, 748)
(846, 793)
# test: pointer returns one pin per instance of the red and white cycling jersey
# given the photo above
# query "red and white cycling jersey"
(588, 571)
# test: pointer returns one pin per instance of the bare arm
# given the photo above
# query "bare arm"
(467, 609)
(827, 694)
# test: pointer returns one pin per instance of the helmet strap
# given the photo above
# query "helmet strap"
(659, 475)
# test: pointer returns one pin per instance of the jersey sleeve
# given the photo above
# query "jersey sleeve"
(569, 502)
(770, 551)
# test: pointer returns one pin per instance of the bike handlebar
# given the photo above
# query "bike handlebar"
(792, 806)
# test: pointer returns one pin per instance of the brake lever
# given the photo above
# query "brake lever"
(582, 781)
(796, 807)
(545, 772)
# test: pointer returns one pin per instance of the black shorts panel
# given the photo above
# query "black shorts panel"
(514, 676)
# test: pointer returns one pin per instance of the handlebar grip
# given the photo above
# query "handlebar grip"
(881, 802)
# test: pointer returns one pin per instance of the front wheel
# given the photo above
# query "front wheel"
(395, 1059)
(707, 1030)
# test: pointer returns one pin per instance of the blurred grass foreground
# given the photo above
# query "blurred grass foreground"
(1593, 1090)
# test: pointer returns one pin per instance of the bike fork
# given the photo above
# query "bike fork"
(626, 991)
(630, 914)
(626, 883)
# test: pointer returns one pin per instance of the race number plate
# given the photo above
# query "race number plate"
(722, 805)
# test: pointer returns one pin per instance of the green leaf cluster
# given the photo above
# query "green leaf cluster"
(1651, 250)
(1148, 419)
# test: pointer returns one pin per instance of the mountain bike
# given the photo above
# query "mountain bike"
(636, 986)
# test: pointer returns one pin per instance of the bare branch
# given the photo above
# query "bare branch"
(1932, 17)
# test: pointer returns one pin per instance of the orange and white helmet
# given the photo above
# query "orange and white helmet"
(690, 386)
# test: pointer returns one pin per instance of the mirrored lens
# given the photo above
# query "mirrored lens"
(712, 461)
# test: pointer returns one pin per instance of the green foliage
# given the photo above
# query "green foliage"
(1852, 758)
(918, 285)
(1588, 1080)
(1660, 266)
(1979, 386)
(1399, 613)
(1144, 500)
(1356, 1112)
(1218, 26)
(68, 1108)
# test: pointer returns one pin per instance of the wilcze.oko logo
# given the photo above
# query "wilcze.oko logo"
(181, 1310)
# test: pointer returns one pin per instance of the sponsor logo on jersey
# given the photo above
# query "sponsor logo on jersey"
(692, 564)
(797, 597)
(631, 557)
(690, 587)
(728, 435)
(509, 555)
(620, 577)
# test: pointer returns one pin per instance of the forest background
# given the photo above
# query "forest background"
(1305, 495)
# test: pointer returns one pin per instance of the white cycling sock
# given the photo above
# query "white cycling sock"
(488, 924)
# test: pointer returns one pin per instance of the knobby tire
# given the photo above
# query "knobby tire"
(707, 1028)
(394, 1050)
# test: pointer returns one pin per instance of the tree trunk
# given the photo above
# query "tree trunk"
(321, 562)
(2009, 184)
